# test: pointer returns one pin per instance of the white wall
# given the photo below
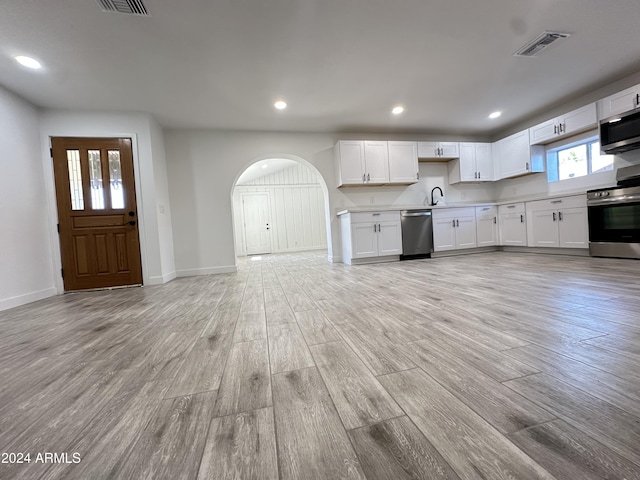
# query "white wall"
(204, 165)
(148, 153)
(536, 184)
(297, 211)
(163, 205)
(26, 268)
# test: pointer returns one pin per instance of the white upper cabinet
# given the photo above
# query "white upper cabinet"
(438, 150)
(376, 161)
(565, 125)
(474, 165)
(514, 156)
(403, 162)
(360, 162)
(618, 103)
(349, 157)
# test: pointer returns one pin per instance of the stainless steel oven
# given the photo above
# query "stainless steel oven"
(614, 217)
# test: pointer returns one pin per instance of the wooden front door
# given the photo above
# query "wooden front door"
(97, 212)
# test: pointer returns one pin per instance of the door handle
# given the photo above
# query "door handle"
(132, 213)
(132, 223)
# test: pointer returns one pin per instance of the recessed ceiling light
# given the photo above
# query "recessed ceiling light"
(28, 62)
(265, 165)
(397, 110)
(280, 105)
(495, 115)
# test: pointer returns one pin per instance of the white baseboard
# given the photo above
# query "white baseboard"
(167, 277)
(18, 300)
(578, 252)
(192, 272)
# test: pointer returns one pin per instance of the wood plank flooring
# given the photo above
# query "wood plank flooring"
(487, 366)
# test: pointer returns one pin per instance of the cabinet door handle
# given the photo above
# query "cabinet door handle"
(527, 166)
(374, 228)
(479, 176)
(475, 175)
(554, 216)
(457, 223)
(637, 99)
(418, 176)
(555, 129)
(495, 219)
(454, 223)
(364, 177)
(563, 128)
(559, 216)
(521, 218)
(368, 177)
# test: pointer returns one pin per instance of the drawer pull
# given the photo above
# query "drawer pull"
(556, 201)
(511, 206)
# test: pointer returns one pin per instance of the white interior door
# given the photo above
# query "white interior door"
(257, 224)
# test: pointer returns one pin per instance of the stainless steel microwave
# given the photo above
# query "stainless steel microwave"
(621, 133)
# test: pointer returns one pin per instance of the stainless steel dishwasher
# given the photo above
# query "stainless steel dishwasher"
(417, 234)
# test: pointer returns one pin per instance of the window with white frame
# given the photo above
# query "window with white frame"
(577, 159)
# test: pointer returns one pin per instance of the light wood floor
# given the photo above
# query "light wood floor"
(488, 366)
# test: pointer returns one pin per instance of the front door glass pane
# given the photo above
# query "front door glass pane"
(115, 179)
(75, 180)
(95, 176)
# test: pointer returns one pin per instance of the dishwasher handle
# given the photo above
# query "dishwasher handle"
(416, 214)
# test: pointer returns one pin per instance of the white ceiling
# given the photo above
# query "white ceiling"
(340, 64)
(264, 168)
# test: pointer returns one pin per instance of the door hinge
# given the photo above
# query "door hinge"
(62, 272)
(51, 152)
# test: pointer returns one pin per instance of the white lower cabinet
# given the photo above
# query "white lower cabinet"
(487, 226)
(454, 229)
(370, 235)
(561, 222)
(512, 225)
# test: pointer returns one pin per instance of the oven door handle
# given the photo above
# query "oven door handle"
(615, 200)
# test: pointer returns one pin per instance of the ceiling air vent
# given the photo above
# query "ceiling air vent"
(131, 7)
(542, 41)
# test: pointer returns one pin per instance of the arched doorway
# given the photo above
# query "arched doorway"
(280, 204)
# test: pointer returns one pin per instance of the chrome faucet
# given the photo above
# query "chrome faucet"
(433, 190)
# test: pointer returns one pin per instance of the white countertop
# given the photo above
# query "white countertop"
(387, 208)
